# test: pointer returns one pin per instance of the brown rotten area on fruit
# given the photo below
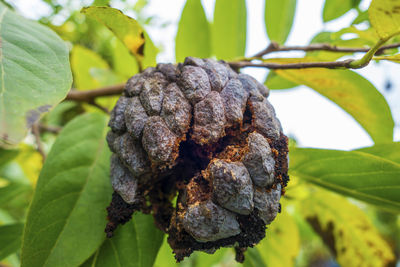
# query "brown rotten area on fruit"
(207, 137)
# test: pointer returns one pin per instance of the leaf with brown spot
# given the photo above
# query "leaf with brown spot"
(385, 17)
(128, 30)
(346, 230)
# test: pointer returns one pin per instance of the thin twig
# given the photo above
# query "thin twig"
(90, 95)
(302, 65)
(39, 147)
(49, 128)
(275, 47)
(97, 105)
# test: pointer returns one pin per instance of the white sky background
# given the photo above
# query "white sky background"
(312, 119)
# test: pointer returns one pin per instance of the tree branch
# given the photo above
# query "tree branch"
(302, 65)
(275, 47)
(90, 95)
(39, 146)
(49, 128)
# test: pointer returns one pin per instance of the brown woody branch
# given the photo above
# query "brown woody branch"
(49, 128)
(90, 95)
(301, 65)
(275, 47)
(39, 145)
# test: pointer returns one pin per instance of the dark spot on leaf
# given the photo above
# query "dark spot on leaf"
(140, 50)
(326, 234)
(33, 115)
(142, 35)
(341, 233)
(44, 108)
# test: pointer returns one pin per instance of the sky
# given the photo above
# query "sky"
(313, 120)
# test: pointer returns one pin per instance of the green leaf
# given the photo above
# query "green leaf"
(7, 155)
(362, 17)
(352, 173)
(253, 258)
(10, 239)
(91, 71)
(282, 242)
(276, 82)
(149, 239)
(123, 62)
(11, 191)
(84, 63)
(165, 256)
(34, 74)
(279, 19)
(193, 37)
(394, 58)
(134, 244)
(352, 92)
(384, 16)
(229, 29)
(363, 38)
(128, 30)
(346, 230)
(388, 151)
(66, 220)
(5, 217)
(336, 8)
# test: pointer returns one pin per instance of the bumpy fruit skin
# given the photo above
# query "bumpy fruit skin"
(208, 135)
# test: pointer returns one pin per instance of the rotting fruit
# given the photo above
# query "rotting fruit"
(198, 146)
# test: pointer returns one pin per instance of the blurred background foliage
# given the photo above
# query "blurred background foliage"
(316, 227)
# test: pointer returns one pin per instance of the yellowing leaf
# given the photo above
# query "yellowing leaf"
(350, 91)
(30, 161)
(128, 30)
(123, 62)
(282, 242)
(83, 63)
(91, 71)
(385, 17)
(346, 230)
(394, 58)
(276, 82)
